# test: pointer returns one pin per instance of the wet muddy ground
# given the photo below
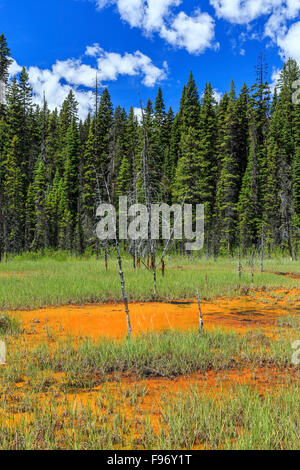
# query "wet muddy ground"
(255, 309)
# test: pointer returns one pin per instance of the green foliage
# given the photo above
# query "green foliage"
(240, 158)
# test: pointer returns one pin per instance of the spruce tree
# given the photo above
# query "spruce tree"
(229, 182)
(13, 200)
(5, 61)
(208, 164)
(40, 240)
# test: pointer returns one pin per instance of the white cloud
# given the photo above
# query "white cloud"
(290, 43)
(49, 82)
(73, 74)
(279, 14)
(112, 64)
(244, 11)
(274, 79)
(194, 33)
(93, 51)
(138, 114)
(14, 69)
(218, 95)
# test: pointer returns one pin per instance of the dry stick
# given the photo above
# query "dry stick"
(262, 250)
(105, 242)
(163, 268)
(201, 325)
(252, 268)
(125, 299)
(240, 264)
(105, 258)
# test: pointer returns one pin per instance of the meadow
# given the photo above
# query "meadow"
(31, 282)
(233, 386)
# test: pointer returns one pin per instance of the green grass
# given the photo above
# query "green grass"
(8, 325)
(46, 281)
(52, 370)
(43, 415)
(289, 321)
(243, 419)
(168, 354)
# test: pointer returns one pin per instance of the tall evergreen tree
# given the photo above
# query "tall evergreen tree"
(229, 182)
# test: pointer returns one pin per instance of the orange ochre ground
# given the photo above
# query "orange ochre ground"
(256, 309)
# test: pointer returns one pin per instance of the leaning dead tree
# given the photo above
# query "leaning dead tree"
(117, 246)
(121, 273)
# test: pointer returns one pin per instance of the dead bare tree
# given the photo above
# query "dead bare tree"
(239, 263)
(252, 266)
(201, 324)
(262, 246)
(121, 273)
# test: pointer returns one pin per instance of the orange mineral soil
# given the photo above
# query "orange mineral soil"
(259, 309)
(11, 275)
(256, 309)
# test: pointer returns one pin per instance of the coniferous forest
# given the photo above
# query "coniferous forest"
(239, 157)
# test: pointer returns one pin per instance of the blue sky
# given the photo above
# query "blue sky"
(137, 45)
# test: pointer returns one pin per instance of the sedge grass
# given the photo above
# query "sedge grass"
(87, 363)
(243, 419)
(27, 283)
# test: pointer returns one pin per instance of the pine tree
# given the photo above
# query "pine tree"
(229, 182)
(133, 153)
(124, 178)
(168, 163)
(259, 122)
(90, 196)
(188, 172)
(5, 61)
(242, 104)
(27, 124)
(186, 184)
(248, 205)
(296, 170)
(40, 240)
(13, 200)
(70, 178)
(208, 159)
(104, 121)
(272, 217)
(30, 219)
(191, 105)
